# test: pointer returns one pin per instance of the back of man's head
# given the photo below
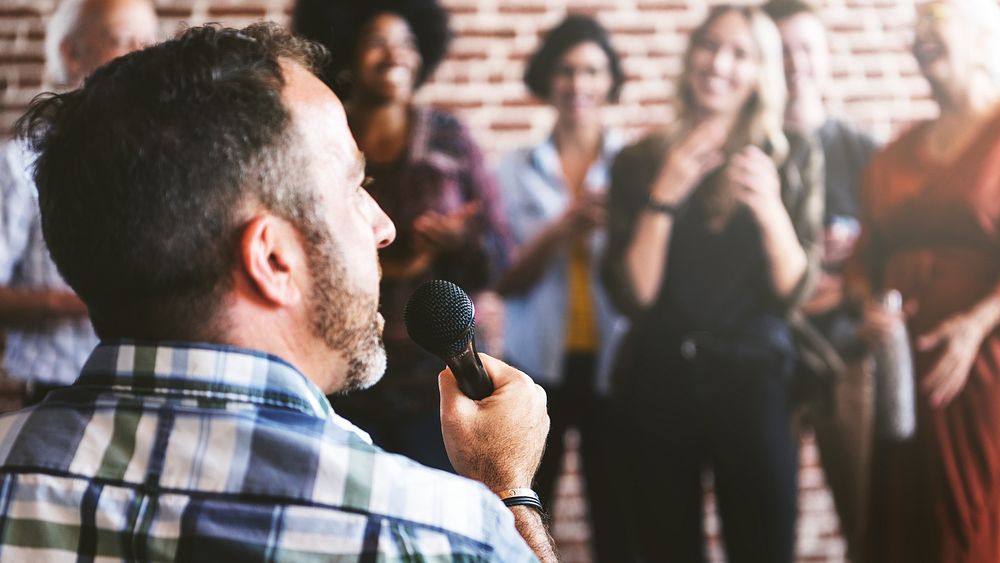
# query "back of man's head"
(145, 174)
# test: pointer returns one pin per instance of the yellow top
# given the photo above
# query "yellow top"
(581, 328)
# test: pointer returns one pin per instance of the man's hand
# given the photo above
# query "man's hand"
(498, 440)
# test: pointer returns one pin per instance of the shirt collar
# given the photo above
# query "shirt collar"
(545, 158)
(205, 372)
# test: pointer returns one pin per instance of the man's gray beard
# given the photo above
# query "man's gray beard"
(362, 373)
(344, 318)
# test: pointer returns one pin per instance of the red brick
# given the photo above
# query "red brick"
(528, 9)
(17, 13)
(243, 12)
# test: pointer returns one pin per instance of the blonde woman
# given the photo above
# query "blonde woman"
(713, 225)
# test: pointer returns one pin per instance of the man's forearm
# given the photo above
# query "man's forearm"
(533, 528)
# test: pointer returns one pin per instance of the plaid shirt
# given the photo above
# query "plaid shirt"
(52, 354)
(203, 453)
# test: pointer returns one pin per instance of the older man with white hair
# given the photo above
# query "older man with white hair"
(48, 332)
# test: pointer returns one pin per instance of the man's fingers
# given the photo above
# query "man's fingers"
(503, 374)
(452, 398)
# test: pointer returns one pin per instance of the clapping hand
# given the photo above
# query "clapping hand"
(435, 233)
(756, 182)
(689, 161)
(586, 213)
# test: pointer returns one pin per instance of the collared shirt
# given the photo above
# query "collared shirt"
(535, 194)
(53, 354)
(197, 452)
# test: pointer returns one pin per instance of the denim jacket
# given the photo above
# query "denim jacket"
(534, 194)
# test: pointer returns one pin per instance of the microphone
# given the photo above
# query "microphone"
(440, 317)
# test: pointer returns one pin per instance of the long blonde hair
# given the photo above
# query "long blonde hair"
(760, 120)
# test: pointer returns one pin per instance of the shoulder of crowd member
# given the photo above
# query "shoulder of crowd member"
(517, 159)
(902, 146)
(802, 171)
(804, 196)
(636, 165)
(511, 169)
(801, 147)
(862, 142)
(632, 172)
(446, 133)
(18, 206)
(850, 129)
(652, 147)
(15, 164)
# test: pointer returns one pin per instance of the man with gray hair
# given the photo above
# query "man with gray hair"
(48, 332)
(206, 199)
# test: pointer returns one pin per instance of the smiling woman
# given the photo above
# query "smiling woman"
(560, 326)
(932, 231)
(428, 174)
(713, 229)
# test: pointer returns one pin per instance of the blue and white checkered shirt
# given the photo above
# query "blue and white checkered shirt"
(54, 354)
(204, 453)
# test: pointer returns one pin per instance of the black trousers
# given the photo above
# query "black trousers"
(575, 403)
(677, 415)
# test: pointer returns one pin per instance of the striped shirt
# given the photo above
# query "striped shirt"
(53, 354)
(205, 453)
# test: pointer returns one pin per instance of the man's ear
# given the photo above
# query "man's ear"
(273, 259)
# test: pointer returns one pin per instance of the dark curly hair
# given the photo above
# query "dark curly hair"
(143, 173)
(337, 25)
(780, 10)
(572, 31)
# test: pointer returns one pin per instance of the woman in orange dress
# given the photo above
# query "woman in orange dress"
(931, 229)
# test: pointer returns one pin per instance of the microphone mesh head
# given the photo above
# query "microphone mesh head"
(440, 317)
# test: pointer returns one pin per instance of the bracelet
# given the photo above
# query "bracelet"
(521, 497)
(661, 207)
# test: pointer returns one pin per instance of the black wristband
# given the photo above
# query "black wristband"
(524, 501)
(657, 206)
(521, 497)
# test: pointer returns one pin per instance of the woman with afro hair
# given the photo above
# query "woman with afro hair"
(428, 175)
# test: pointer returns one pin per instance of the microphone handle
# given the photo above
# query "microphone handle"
(472, 378)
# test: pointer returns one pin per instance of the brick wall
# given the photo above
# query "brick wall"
(876, 81)
(876, 85)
